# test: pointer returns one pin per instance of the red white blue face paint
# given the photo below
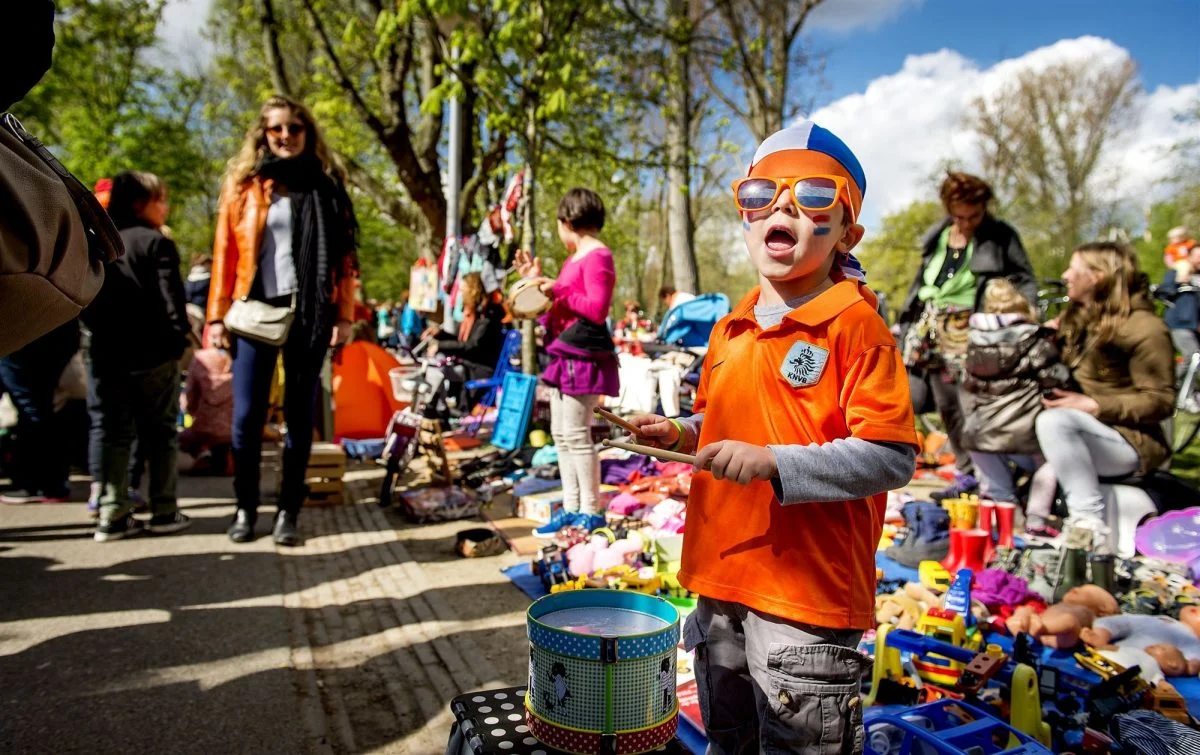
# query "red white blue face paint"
(823, 228)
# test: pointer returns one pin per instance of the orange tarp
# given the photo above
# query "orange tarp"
(362, 391)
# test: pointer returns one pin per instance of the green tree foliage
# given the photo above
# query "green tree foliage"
(106, 106)
(892, 255)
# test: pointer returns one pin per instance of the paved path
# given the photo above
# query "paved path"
(354, 642)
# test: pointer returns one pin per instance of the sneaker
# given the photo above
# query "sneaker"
(562, 518)
(140, 505)
(22, 497)
(165, 524)
(108, 530)
(1042, 533)
(963, 483)
(94, 508)
(589, 522)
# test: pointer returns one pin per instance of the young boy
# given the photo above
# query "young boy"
(803, 422)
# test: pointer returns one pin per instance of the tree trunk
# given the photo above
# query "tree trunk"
(270, 34)
(528, 236)
(679, 213)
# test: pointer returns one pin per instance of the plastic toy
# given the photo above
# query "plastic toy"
(550, 567)
(1174, 536)
(958, 597)
(933, 575)
(947, 727)
(949, 627)
(1175, 645)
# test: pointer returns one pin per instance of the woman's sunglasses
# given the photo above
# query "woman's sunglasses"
(292, 129)
(812, 193)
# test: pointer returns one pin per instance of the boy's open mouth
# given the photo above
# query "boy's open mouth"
(780, 239)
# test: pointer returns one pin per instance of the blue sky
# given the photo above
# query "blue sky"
(988, 31)
(903, 76)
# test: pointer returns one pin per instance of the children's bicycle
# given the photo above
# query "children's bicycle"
(425, 390)
(1181, 429)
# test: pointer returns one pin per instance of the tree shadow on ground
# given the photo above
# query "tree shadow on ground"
(146, 655)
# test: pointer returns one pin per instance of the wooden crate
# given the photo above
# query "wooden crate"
(327, 461)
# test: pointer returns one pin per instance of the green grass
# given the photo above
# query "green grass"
(1187, 464)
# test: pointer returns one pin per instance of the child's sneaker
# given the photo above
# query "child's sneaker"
(94, 508)
(140, 505)
(562, 518)
(108, 530)
(165, 524)
(963, 483)
(589, 522)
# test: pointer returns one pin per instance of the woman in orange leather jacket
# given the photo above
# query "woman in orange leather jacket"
(285, 236)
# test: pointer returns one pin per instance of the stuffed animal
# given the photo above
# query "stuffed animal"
(1175, 645)
(601, 552)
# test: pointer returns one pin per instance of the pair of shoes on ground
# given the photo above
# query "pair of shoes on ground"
(563, 518)
(285, 531)
(108, 530)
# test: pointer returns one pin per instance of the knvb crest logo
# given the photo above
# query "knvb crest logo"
(804, 364)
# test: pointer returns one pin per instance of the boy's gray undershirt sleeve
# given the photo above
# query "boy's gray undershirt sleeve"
(841, 470)
(691, 432)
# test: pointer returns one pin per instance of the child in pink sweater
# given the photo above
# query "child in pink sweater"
(583, 361)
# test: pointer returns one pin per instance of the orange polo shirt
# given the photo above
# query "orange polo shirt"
(830, 370)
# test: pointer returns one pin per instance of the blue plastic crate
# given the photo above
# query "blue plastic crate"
(516, 408)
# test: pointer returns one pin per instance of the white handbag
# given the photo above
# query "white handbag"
(259, 321)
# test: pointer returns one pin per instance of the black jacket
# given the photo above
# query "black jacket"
(998, 254)
(139, 318)
(26, 44)
(484, 342)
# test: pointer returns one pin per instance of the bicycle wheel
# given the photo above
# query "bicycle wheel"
(1185, 423)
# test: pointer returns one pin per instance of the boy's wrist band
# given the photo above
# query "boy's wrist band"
(678, 428)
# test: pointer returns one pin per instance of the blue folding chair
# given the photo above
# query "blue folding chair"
(510, 351)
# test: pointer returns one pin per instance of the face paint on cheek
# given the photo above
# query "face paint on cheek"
(745, 224)
(821, 223)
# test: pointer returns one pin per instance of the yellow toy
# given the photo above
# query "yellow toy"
(1025, 706)
(947, 626)
(934, 576)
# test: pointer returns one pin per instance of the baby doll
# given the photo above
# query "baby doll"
(1175, 645)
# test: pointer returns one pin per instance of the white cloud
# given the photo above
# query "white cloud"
(181, 44)
(852, 15)
(908, 123)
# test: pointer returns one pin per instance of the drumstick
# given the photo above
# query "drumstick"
(613, 419)
(657, 453)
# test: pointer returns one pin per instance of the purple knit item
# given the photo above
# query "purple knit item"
(996, 587)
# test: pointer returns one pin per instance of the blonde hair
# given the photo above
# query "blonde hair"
(1001, 297)
(244, 166)
(472, 292)
(1094, 323)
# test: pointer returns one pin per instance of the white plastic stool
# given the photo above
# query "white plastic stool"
(1125, 508)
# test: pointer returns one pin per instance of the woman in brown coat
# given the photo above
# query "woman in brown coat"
(285, 236)
(1121, 357)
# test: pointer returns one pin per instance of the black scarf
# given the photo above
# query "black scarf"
(323, 238)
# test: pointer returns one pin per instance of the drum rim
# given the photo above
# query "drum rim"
(607, 599)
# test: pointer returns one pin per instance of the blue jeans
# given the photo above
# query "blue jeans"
(253, 369)
(30, 375)
(995, 476)
(141, 406)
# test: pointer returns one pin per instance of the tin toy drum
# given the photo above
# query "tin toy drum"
(602, 672)
(526, 300)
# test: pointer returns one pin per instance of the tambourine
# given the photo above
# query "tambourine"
(526, 300)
